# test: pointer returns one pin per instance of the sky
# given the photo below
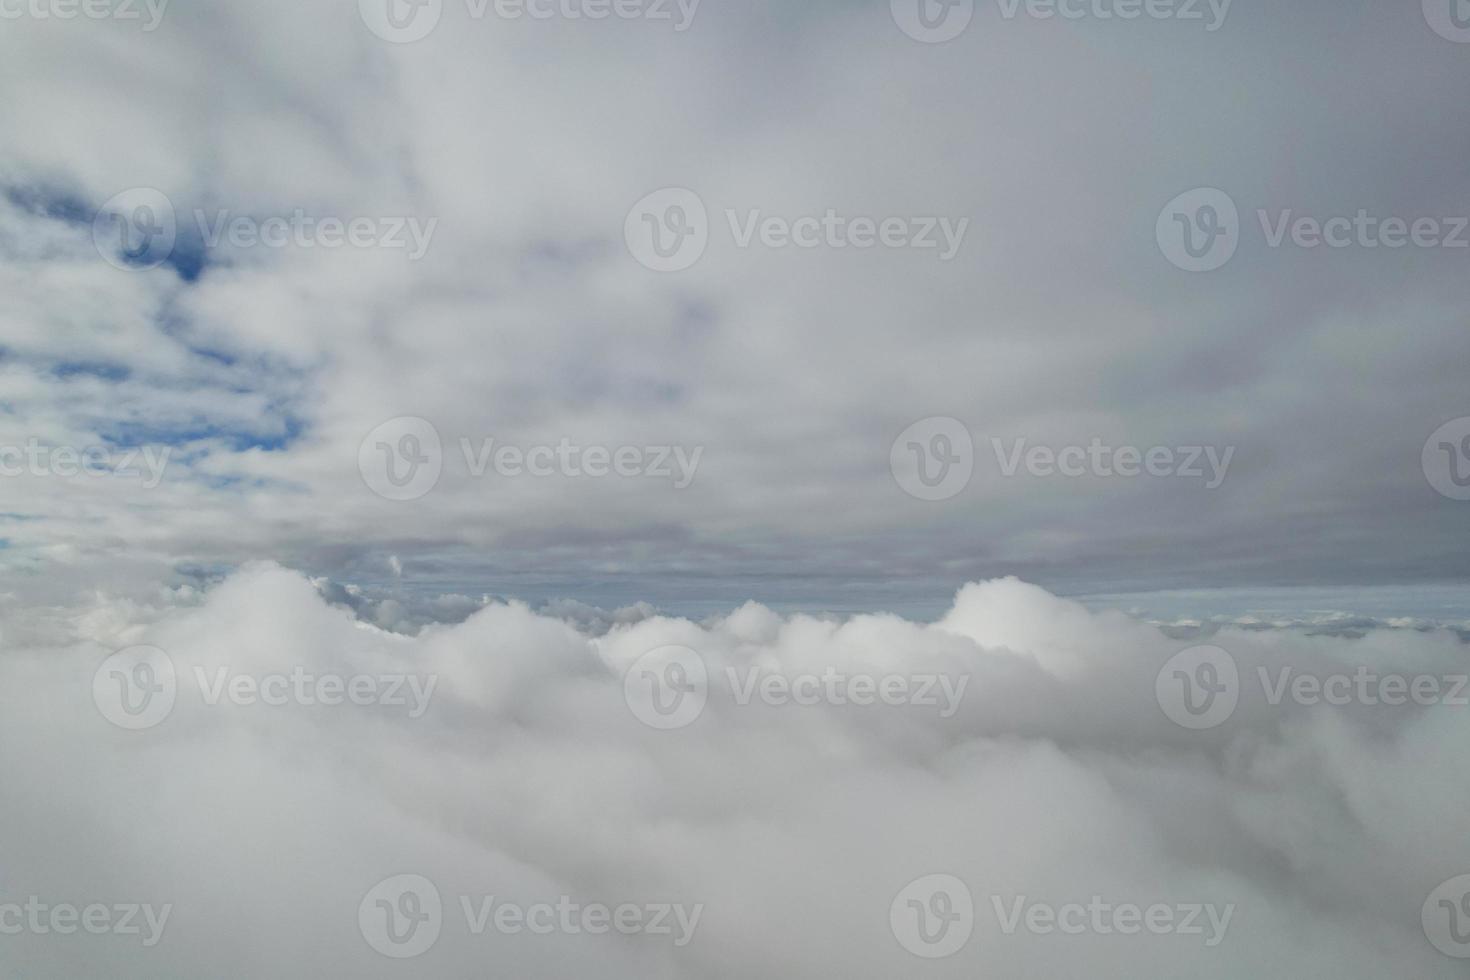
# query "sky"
(894, 236)
(710, 490)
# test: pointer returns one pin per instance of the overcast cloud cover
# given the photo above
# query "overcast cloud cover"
(526, 320)
(577, 436)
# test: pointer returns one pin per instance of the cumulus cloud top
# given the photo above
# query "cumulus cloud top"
(533, 773)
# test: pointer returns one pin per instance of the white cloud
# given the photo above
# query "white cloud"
(793, 826)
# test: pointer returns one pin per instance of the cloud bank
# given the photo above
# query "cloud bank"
(786, 830)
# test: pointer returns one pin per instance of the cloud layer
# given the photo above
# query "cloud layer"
(528, 321)
(535, 776)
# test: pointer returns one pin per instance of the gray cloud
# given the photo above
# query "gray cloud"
(1059, 321)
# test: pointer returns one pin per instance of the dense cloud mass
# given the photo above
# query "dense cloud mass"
(518, 146)
(787, 832)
